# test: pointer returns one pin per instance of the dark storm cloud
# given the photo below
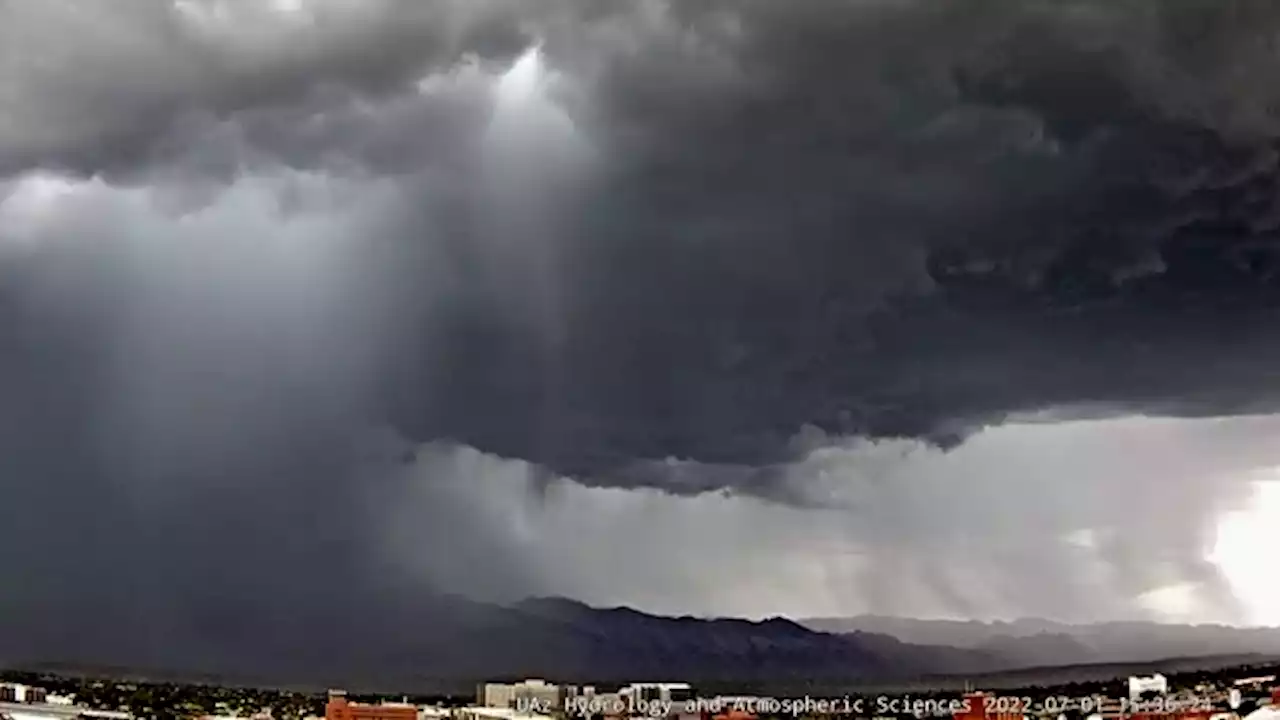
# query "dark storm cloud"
(885, 219)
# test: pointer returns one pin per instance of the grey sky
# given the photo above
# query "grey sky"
(682, 311)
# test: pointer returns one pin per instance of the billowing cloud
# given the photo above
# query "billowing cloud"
(390, 290)
(1076, 520)
(1094, 206)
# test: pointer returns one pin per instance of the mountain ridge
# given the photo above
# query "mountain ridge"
(1039, 642)
(447, 644)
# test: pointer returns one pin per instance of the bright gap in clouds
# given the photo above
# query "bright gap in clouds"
(1246, 552)
(31, 202)
(36, 194)
(1075, 521)
(521, 81)
(287, 6)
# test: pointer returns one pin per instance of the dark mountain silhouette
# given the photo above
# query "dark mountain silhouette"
(625, 644)
(450, 643)
(446, 644)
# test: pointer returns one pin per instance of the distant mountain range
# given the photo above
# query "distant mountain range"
(622, 643)
(448, 644)
(1036, 642)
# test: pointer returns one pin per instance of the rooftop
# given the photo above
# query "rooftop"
(502, 713)
(42, 711)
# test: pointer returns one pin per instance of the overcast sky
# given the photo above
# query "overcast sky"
(730, 307)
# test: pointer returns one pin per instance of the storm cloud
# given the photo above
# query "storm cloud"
(882, 219)
(390, 290)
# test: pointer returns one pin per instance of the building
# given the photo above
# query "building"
(339, 708)
(48, 711)
(1143, 688)
(495, 713)
(26, 694)
(676, 693)
(587, 705)
(532, 696)
(646, 699)
(495, 695)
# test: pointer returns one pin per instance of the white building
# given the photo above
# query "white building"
(16, 693)
(1140, 687)
(532, 696)
(47, 711)
(674, 700)
(677, 697)
(667, 692)
(496, 695)
(585, 705)
(495, 713)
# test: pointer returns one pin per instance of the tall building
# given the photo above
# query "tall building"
(532, 696)
(495, 695)
(339, 708)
